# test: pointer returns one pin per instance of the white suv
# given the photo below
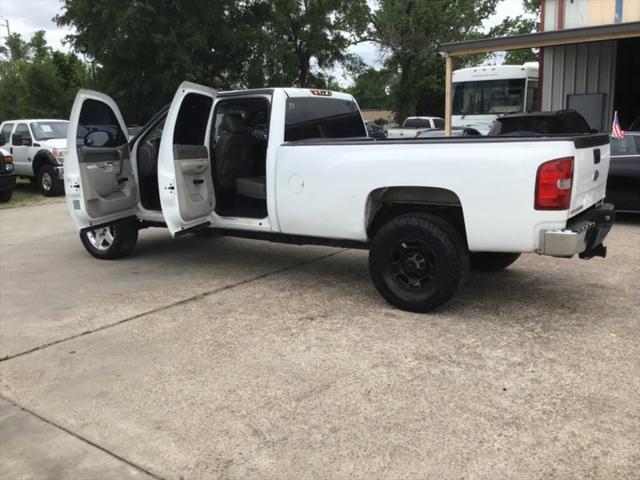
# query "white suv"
(38, 147)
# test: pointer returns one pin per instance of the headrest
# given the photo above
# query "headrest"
(233, 123)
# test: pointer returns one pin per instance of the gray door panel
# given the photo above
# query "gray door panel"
(107, 180)
(194, 183)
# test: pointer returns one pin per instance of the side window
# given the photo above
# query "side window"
(23, 130)
(250, 113)
(5, 133)
(98, 126)
(625, 146)
(193, 117)
(311, 117)
(438, 123)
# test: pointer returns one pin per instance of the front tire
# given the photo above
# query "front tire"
(491, 261)
(112, 241)
(418, 262)
(49, 183)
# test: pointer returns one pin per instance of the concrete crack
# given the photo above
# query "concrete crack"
(166, 307)
(83, 439)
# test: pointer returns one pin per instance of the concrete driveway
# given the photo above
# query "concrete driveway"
(204, 358)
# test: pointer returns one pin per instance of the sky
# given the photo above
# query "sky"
(29, 16)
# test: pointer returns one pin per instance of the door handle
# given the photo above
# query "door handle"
(198, 181)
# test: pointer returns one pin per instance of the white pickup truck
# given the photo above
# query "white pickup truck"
(295, 165)
(38, 147)
(413, 126)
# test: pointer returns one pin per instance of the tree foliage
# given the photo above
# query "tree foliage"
(410, 31)
(527, 23)
(36, 81)
(144, 49)
(372, 89)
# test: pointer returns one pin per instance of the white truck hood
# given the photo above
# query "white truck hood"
(53, 143)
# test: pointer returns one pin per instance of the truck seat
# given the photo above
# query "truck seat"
(233, 152)
(253, 187)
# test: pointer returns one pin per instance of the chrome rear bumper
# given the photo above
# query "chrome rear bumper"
(583, 235)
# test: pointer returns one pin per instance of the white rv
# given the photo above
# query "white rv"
(481, 94)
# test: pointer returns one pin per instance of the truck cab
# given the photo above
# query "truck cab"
(207, 159)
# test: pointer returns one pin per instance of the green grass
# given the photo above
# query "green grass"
(27, 194)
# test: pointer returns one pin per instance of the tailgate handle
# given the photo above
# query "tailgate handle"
(596, 156)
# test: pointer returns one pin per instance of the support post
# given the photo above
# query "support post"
(447, 95)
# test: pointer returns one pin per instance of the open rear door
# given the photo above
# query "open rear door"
(184, 167)
(99, 183)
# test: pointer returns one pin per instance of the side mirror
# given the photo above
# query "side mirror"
(3, 139)
(26, 141)
(97, 138)
(16, 139)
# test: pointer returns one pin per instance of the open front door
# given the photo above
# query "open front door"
(99, 183)
(184, 167)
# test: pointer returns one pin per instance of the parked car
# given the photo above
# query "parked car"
(455, 132)
(316, 178)
(623, 184)
(559, 122)
(375, 131)
(7, 176)
(413, 125)
(38, 147)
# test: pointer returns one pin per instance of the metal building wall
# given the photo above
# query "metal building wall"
(577, 69)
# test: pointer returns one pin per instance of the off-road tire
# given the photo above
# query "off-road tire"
(491, 261)
(118, 243)
(48, 182)
(418, 239)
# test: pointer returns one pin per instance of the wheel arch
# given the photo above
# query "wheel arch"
(43, 157)
(385, 203)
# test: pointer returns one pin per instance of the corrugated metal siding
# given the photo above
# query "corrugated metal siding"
(576, 69)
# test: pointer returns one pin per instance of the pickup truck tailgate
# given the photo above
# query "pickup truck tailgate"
(590, 170)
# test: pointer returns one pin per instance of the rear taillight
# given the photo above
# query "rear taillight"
(553, 184)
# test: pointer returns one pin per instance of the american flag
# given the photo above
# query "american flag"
(616, 131)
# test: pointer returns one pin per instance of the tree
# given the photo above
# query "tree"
(372, 89)
(409, 31)
(299, 40)
(527, 23)
(36, 82)
(143, 49)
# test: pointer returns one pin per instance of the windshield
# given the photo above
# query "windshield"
(488, 97)
(49, 130)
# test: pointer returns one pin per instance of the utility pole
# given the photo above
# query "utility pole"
(6, 24)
